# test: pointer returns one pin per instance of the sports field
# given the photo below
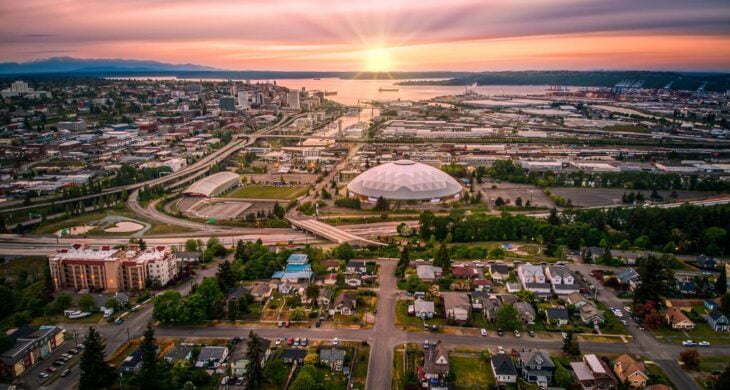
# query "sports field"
(268, 192)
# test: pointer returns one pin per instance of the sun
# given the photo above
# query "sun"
(378, 60)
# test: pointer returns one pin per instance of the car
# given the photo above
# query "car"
(119, 321)
(318, 323)
(565, 335)
(296, 342)
(280, 324)
(627, 309)
(483, 332)
(704, 343)
(500, 349)
(59, 363)
(583, 290)
(626, 323)
(51, 369)
(224, 380)
(517, 333)
(531, 333)
(239, 381)
(434, 328)
(618, 313)
(426, 345)
(236, 340)
(290, 341)
(688, 343)
(73, 351)
(277, 342)
(335, 341)
(67, 356)
(66, 372)
(80, 346)
(287, 324)
(304, 342)
(43, 375)
(500, 332)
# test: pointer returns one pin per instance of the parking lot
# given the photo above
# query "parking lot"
(32, 380)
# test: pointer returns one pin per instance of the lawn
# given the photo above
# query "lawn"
(360, 373)
(402, 317)
(702, 332)
(268, 192)
(472, 372)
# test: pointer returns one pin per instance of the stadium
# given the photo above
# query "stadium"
(405, 180)
(214, 185)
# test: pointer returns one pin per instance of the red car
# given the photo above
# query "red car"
(290, 341)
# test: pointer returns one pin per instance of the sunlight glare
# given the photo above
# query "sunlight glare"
(378, 60)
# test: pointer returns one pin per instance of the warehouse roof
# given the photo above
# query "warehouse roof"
(207, 186)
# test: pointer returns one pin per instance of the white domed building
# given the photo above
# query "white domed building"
(405, 180)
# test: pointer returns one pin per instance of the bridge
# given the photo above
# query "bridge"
(329, 232)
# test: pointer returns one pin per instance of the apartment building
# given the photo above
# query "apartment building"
(109, 269)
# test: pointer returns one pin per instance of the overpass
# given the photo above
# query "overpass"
(329, 232)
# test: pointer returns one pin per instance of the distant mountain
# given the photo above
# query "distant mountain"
(78, 65)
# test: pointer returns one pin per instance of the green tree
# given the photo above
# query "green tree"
(554, 218)
(344, 252)
(191, 245)
(443, 258)
(150, 374)
(723, 382)
(254, 371)
(725, 303)
(570, 345)
(276, 372)
(86, 302)
(167, 307)
(312, 293)
(657, 280)
(563, 377)
(227, 279)
(381, 204)
(721, 282)
(232, 309)
(278, 211)
(95, 372)
(507, 318)
(690, 358)
(403, 262)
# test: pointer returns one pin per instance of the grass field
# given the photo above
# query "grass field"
(359, 375)
(267, 192)
(472, 372)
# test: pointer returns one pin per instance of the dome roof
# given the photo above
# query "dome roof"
(404, 180)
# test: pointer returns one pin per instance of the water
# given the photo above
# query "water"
(349, 92)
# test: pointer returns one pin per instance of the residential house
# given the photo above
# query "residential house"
(239, 361)
(593, 252)
(717, 321)
(687, 288)
(292, 355)
(297, 259)
(561, 279)
(557, 315)
(132, 363)
(435, 364)
(678, 320)
(464, 272)
(332, 357)
(594, 374)
(181, 352)
(628, 278)
(238, 293)
(590, 314)
(345, 304)
(503, 368)
(324, 298)
(457, 306)
(576, 299)
(525, 312)
(428, 273)
(331, 265)
(706, 262)
(509, 299)
(423, 309)
(536, 367)
(499, 271)
(353, 279)
(211, 356)
(359, 267)
(481, 284)
(630, 371)
(261, 291)
(26, 347)
(330, 279)
(533, 278)
(710, 305)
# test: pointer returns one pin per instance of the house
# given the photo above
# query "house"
(536, 367)
(481, 284)
(593, 252)
(423, 309)
(464, 272)
(630, 371)
(324, 298)
(238, 293)
(457, 306)
(557, 315)
(332, 357)
(590, 314)
(181, 352)
(710, 305)
(330, 265)
(525, 312)
(435, 363)
(628, 278)
(344, 304)
(292, 355)
(561, 279)
(576, 299)
(187, 257)
(330, 279)
(358, 267)
(25, 347)
(503, 368)
(297, 259)
(353, 279)
(509, 299)
(678, 320)
(211, 357)
(594, 374)
(239, 361)
(706, 262)
(499, 271)
(428, 273)
(261, 291)
(717, 321)
(533, 278)
(132, 363)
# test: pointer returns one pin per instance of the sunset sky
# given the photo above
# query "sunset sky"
(376, 35)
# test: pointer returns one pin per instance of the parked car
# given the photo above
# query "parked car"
(66, 372)
(531, 333)
(80, 346)
(517, 333)
(434, 328)
(335, 341)
(59, 363)
(239, 381)
(426, 345)
(704, 344)
(290, 341)
(51, 369)
(688, 343)
(280, 324)
(296, 342)
(483, 332)
(565, 335)
(73, 351)
(287, 324)
(500, 349)
(627, 309)
(277, 342)
(43, 375)
(304, 342)
(500, 332)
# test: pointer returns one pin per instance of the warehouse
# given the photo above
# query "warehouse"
(214, 185)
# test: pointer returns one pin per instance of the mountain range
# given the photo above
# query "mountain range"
(79, 65)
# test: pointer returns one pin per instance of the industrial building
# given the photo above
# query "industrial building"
(405, 180)
(214, 185)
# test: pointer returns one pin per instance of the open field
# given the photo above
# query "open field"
(472, 372)
(267, 192)
(587, 197)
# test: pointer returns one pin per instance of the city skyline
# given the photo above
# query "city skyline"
(464, 35)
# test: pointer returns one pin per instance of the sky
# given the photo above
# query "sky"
(376, 35)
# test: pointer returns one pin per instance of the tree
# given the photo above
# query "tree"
(499, 202)
(562, 377)
(312, 293)
(278, 211)
(657, 280)
(150, 373)
(254, 371)
(167, 307)
(725, 303)
(381, 204)
(311, 358)
(570, 345)
(232, 309)
(403, 262)
(191, 245)
(690, 358)
(554, 218)
(276, 371)
(344, 252)
(723, 382)
(721, 282)
(442, 258)
(95, 373)
(227, 279)
(507, 318)
(86, 302)
(298, 314)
